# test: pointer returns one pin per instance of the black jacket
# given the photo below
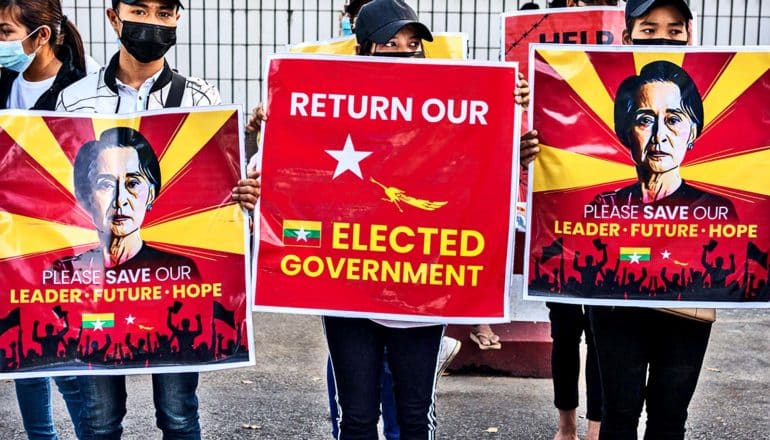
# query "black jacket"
(67, 75)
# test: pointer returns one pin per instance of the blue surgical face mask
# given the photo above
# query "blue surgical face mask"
(12, 55)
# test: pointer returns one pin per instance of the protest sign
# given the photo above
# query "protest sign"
(387, 188)
(120, 250)
(650, 187)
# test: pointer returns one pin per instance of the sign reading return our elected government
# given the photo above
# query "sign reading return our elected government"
(651, 186)
(120, 250)
(387, 188)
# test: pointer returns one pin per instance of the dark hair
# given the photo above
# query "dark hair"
(35, 13)
(656, 71)
(118, 137)
(678, 5)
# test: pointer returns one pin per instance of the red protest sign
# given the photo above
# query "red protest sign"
(584, 25)
(115, 259)
(387, 188)
(649, 189)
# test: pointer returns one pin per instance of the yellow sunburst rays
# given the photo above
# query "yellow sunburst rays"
(565, 169)
(220, 228)
(743, 70)
(211, 229)
(32, 135)
(20, 235)
(738, 172)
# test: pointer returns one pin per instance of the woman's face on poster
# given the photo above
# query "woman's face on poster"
(121, 192)
(662, 131)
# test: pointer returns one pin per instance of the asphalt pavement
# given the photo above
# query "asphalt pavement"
(284, 395)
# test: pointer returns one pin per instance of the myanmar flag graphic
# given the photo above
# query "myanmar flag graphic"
(634, 254)
(97, 321)
(302, 233)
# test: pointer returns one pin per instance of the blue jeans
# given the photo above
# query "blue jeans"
(357, 348)
(387, 399)
(176, 406)
(34, 398)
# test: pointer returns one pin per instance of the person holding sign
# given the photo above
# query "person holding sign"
(646, 356)
(138, 78)
(41, 54)
(357, 345)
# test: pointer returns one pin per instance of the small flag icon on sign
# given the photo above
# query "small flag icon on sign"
(635, 254)
(98, 321)
(302, 233)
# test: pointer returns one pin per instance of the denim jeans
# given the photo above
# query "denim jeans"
(357, 348)
(646, 355)
(34, 398)
(568, 323)
(176, 406)
(387, 400)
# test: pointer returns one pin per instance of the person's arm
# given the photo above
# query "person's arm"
(35, 336)
(575, 261)
(703, 258)
(200, 325)
(732, 264)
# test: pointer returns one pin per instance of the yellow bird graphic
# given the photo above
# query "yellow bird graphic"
(396, 195)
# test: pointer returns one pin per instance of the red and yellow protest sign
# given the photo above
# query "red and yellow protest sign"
(120, 251)
(387, 189)
(650, 186)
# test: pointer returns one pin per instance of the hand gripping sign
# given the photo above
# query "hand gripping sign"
(650, 187)
(387, 188)
(120, 251)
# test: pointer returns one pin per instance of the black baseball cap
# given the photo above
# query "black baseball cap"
(379, 20)
(638, 8)
(131, 2)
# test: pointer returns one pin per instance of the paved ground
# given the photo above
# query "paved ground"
(284, 396)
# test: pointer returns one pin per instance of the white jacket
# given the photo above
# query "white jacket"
(98, 92)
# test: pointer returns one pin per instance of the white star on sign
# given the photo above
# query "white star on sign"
(98, 325)
(130, 319)
(635, 258)
(666, 254)
(348, 159)
(302, 234)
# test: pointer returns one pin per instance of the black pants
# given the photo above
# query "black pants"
(568, 323)
(631, 341)
(356, 348)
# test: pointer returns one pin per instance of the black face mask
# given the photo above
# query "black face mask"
(658, 42)
(147, 42)
(417, 54)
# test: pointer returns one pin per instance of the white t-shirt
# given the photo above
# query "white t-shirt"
(24, 94)
(132, 100)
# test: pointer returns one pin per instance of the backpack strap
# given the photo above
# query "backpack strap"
(174, 98)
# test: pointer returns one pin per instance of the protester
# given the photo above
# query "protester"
(647, 356)
(136, 79)
(41, 54)
(568, 324)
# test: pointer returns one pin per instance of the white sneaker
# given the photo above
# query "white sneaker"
(448, 350)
